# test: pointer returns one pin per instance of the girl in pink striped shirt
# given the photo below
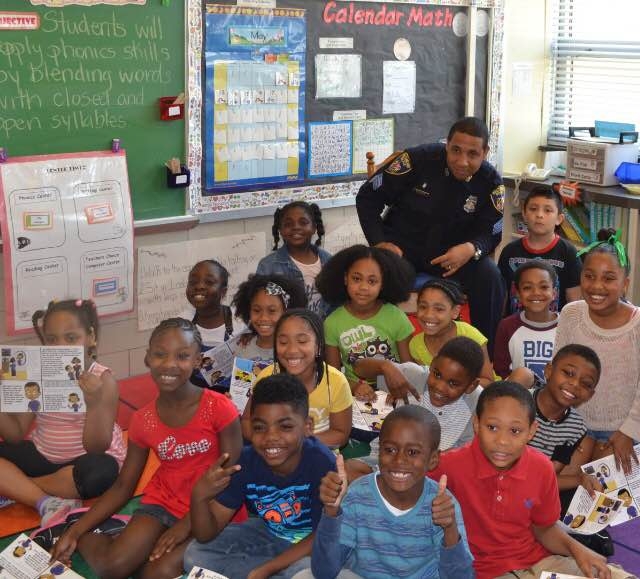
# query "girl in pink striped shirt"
(64, 457)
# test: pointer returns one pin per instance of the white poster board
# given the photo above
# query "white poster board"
(67, 233)
(399, 87)
(345, 235)
(163, 271)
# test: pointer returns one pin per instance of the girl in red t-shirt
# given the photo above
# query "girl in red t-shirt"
(189, 429)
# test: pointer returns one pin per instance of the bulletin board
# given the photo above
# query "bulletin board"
(368, 76)
(73, 78)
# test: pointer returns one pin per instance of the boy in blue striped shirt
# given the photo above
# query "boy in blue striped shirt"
(395, 523)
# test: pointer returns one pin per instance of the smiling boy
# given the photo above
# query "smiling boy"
(543, 213)
(509, 495)
(277, 478)
(525, 339)
(395, 523)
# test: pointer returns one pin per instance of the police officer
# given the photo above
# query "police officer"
(444, 214)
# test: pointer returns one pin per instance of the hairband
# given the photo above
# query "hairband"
(273, 289)
(613, 240)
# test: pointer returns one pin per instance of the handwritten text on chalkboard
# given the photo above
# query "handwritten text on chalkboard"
(79, 73)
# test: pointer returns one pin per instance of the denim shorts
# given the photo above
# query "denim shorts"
(600, 435)
(157, 512)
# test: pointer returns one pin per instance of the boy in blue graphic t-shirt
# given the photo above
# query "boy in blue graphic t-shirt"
(277, 478)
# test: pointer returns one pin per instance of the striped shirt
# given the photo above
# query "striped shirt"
(58, 435)
(558, 439)
(375, 543)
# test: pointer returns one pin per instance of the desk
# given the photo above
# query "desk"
(614, 195)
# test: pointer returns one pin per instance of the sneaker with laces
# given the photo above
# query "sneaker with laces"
(54, 508)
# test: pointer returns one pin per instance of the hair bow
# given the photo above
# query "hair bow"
(273, 289)
(613, 240)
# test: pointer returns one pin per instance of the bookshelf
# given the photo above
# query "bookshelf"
(600, 205)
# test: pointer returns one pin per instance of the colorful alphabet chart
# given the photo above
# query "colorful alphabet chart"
(67, 232)
(254, 96)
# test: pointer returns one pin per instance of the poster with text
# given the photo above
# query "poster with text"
(254, 96)
(67, 231)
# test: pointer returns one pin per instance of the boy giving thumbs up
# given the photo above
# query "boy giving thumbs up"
(394, 522)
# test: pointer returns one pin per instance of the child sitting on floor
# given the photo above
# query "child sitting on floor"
(66, 456)
(395, 523)
(509, 495)
(188, 428)
(277, 477)
(448, 388)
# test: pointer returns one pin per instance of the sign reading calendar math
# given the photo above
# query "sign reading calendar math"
(67, 232)
(41, 378)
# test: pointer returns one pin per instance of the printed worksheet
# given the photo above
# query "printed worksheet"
(41, 379)
(24, 559)
(243, 378)
(618, 485)
(371, 415)
(217, 364)
(587, 515)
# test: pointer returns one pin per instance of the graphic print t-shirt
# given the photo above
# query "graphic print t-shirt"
(375, 337)
(289, 506)
(184, 452)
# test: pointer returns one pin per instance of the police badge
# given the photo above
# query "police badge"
(470, 204)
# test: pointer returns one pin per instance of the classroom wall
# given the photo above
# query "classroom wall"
(525, 44)
(122, 347)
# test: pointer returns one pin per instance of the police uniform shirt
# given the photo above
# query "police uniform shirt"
(430, 210)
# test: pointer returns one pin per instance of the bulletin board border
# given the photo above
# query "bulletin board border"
(238, 205)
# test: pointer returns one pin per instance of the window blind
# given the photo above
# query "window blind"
(595, 64)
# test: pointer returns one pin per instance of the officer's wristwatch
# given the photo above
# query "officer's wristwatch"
(477, 253)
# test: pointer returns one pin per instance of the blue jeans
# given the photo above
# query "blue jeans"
(239, 549)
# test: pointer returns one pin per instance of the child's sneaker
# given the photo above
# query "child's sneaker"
(54, 508)
(48, 536)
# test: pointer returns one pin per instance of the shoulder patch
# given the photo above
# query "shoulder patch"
(376, 181)
(497, 198)
(400, 165)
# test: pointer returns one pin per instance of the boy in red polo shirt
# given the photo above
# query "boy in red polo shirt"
(509, 495)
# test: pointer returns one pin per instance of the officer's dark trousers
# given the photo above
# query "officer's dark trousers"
(486, 291)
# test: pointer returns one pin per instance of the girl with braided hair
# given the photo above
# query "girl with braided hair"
(299, 259)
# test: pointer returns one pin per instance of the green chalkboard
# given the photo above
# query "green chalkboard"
(93, 73)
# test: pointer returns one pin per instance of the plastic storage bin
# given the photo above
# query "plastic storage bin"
(629, 176)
